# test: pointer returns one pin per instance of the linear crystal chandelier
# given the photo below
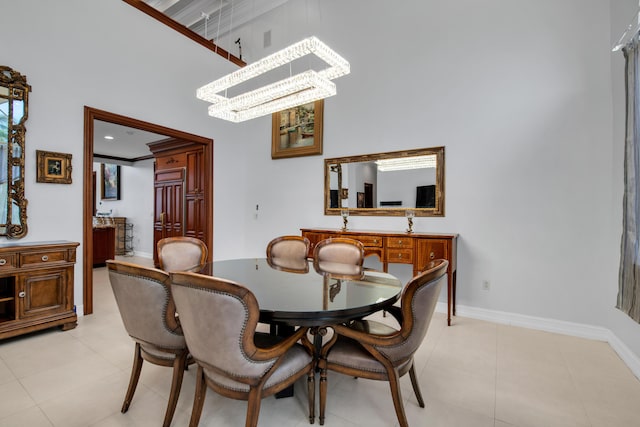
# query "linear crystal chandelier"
(406, 163)
(299, 89)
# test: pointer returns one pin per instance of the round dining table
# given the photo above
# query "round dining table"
(308, 296)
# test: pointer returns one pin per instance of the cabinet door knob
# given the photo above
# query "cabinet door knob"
(399, 255)
(22, 294)
(3, 261)
(45, 258)
(432, 255)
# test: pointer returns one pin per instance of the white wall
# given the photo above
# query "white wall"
(519, 92)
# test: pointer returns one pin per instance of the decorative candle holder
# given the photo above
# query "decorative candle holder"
(409, 214)
(345, 215)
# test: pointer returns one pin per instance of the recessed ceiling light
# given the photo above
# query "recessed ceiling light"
(108, 137)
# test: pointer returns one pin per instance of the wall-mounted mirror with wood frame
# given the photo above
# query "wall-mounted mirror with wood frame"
(386, 184)
(14, 96)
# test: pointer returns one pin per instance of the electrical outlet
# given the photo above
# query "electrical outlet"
(485, 285)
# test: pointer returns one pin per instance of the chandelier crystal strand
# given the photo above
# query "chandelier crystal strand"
(296, 90)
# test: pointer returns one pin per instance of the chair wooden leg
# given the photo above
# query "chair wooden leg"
(253, 407)
(415, 385)
(323, 392)
(176, 383)
(394, 383)
(133, 381)
(198, 399)
(311, 391)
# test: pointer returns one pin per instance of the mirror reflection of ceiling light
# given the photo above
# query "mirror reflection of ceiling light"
(296, 90)
(406, 163)
(108, 137)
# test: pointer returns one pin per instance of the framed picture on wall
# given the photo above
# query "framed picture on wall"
(110, 184)
(53, 167)
(297, 131)
(360, 200)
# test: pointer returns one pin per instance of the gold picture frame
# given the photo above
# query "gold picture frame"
(297, 131)
(53, 168)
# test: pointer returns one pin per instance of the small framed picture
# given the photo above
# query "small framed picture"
(110, 181)
(53, 167)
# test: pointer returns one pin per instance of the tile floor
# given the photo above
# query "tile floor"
(472, 374)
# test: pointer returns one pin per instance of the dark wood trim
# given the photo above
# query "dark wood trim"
(154, 13)
(122, 159)
(91, 114)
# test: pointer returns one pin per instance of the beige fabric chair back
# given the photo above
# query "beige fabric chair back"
(419, 299)
(181, 253)
(144, 299)
(219, 318)
(339, 256)
(289, 253)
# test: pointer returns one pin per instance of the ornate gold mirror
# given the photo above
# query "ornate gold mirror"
(14, 95)
(398, 183)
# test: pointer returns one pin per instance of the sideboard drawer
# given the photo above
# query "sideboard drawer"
(400, 256)
(369, 241)
(314, 239)
(430, 249)
(399, 242)
(44, 257)
(7, 261)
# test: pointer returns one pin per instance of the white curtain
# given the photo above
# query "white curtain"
(629, 280)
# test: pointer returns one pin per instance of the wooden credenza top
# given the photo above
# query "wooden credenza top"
(382, 233)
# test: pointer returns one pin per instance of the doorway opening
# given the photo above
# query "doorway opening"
(90, 116)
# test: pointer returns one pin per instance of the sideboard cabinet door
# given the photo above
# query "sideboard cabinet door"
(44, 293)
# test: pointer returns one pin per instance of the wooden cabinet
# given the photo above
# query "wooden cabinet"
(182, 188)
(36, 287)
(104, 244)
(416, 249)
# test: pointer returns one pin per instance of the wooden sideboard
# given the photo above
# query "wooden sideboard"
(416, 249)
(36, 287)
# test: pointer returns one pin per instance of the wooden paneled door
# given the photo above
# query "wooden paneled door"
(169, 209)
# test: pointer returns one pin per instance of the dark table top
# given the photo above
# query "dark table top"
(308, 298)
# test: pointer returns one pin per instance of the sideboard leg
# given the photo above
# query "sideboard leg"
(449, 301)
(454, 285)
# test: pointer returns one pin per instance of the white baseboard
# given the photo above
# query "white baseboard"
(143, 254)
(551, 325)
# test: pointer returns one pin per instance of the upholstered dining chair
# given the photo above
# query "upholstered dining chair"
(143, 296)
(373, 350)
(181, 252)
(289, 253)
(339, 256)
(219, 319)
